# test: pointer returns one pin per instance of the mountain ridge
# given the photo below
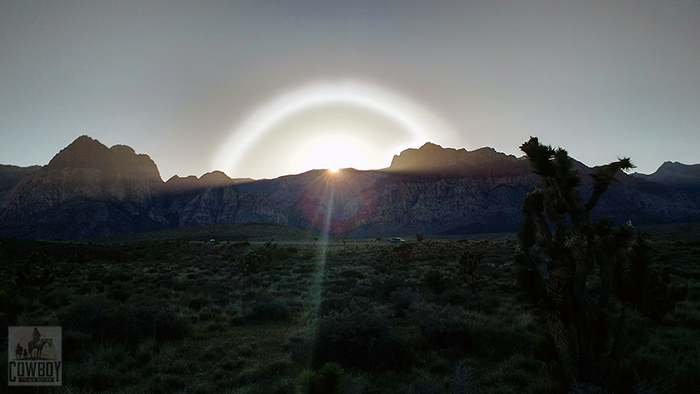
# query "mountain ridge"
(89, 190)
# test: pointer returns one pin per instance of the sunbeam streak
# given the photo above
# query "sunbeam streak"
(317, 283)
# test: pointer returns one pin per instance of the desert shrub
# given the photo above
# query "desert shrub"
(328, 380)
(425, 386)
(254, 259)
(233, 250)
(462, 380)
(341, 285)
(497, 340)
(399, 254)
(583, 388)
(268, 308)
(10, 307)
(687, 313)
(401, 301)
(304, 269)
(385, 285)
(434, 281)
(197, 302)
(307, 255)
(38, 271)
(351, 274)
(182, 285)
(108, 320)
(89, 287)
(403, 252)
(336, 304)
(281, 253)
(119, 292)
(657, 301)
(454, 295)
(105, 366)
(445, 331)
(57, 297)
(167, 383)
(299, 345)
(361, 340)
(667, 358)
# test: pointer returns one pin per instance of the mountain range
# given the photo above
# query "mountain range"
(90, 190)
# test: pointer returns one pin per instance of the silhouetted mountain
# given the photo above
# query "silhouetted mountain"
(434, 159)
(88, 190)
(675, 174)
(433, 190)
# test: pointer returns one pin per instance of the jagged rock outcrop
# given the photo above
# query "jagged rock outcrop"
(87, 169)
(86, 189)
(434, 159)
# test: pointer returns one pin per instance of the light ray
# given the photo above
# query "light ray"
(316, 287)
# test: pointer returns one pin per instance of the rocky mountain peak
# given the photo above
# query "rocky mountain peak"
(434, 159)
(84, 152)
(88, 153)
(678, 170)
(675, 174)
(215, 178)
(85, 179)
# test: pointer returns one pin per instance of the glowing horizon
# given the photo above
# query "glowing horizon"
(341, 148)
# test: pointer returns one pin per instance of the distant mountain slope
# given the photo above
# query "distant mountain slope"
(90, 190)
(11, 175)
(675, 174)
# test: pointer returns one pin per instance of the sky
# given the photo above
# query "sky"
(267, 88)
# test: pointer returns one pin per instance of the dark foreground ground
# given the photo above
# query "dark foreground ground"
(174, 313)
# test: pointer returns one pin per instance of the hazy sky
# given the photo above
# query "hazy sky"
(265, 88)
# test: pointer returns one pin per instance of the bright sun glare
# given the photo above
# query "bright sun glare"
(333, 155)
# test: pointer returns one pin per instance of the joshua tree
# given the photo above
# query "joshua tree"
(584, 276)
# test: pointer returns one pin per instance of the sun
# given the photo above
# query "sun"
(333, 154)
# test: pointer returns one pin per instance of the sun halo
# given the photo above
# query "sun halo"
(417, 123)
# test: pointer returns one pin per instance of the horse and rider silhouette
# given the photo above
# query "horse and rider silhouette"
(37, 343)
